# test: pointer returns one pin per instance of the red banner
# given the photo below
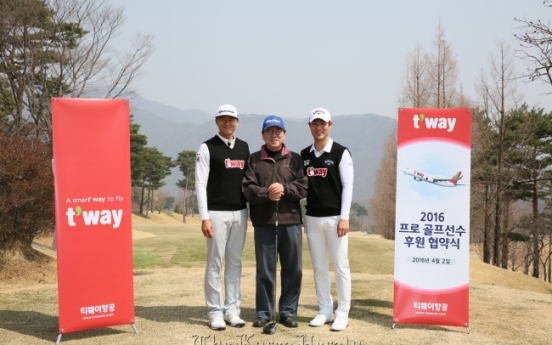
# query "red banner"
(442, 125)
(432, 228)
(93, 213)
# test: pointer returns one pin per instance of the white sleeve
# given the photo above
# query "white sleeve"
(203, 159)
(346, 173)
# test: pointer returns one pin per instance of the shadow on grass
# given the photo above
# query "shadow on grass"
(369, 302)
(369, 311)
(195, 315)
(169, 313)
(42, 326)
(365, 310)
(140, 273)
(431, 327)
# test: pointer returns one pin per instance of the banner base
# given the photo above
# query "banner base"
(136, 329)
(133, 327)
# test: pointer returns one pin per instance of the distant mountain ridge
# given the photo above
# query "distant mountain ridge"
(173, 130)
(167, 112)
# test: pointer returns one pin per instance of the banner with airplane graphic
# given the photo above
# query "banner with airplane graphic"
(432, 224)
(91, 141)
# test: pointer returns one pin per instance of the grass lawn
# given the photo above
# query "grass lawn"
(169, 257)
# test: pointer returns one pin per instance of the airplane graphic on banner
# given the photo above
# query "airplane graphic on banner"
(443, 182)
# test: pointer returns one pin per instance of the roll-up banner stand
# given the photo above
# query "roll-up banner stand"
(432, 224)
(91, 142)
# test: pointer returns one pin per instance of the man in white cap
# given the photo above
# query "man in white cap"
(220, 167)
(329, 167)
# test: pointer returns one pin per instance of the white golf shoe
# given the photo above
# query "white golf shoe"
(217, 323)
(234, 320)
(340, 323)
(320, 320)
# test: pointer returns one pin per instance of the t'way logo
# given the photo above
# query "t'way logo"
(234, 163)
(317, 171)
(434, 122)
(105, 217)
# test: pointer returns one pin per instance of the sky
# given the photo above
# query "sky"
(288, 57)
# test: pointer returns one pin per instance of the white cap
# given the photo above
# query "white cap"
(227, 110)
(320, 113)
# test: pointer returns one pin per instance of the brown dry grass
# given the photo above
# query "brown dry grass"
(505, 307)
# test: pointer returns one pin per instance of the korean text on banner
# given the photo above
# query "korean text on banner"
(91, 140)
(432, 224)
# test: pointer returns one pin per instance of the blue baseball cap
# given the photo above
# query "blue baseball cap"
(273, 120)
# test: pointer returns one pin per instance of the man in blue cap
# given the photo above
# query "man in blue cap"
(274, 183)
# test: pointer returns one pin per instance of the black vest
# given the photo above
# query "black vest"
(226, 170)
(325, 188)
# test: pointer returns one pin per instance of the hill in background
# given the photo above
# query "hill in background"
(173, 130)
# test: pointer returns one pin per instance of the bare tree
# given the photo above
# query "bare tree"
(161, 199)
(383, 201)
(431, 80)
(517, 237)
(443, 72)
(546, 219)
(186, 163)
(50, 48)
(90, 63)
(498, 96)
(61, 48)
(536, 47)
(181, 203)
(415, 91)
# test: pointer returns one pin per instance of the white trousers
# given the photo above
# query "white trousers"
(322, 237)
(229, 229)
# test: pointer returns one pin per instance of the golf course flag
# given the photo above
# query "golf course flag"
(432, 223)
(91, 140)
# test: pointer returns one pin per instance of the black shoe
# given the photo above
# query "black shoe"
(288, 321)
(260, 322)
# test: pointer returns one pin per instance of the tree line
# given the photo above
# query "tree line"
(149, 167)
(52, 48)
(511, 195)
(62, 48)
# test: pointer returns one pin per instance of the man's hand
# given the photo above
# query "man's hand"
(207, 228)
(275, 191)
(342, 227)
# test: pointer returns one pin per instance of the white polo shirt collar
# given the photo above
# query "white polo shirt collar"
(326, 148)
(230, 143)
